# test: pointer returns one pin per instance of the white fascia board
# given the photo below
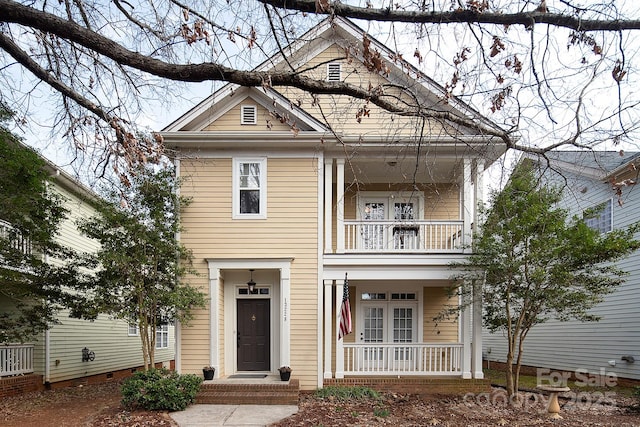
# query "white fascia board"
(621, 169)
(381, 268)
(271, 96)
(230, 96)
(222, 139)
(202, 107)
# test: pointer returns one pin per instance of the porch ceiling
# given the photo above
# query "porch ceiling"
(402, 168)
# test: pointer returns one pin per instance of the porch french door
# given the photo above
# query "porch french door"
(388, 323)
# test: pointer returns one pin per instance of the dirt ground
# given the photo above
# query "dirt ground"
(99, 405)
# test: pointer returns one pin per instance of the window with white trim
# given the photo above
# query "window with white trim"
(334, 72)
(133, 330)
(162, 336)
(250, 188)
(248, 114)
(600, 217)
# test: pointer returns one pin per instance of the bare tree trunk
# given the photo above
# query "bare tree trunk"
(511, 387)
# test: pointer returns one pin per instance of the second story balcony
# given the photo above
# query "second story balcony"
(431, 212)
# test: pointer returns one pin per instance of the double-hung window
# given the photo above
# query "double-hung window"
(133, 330)
(250, 188)
(162, 336)
(600, 217)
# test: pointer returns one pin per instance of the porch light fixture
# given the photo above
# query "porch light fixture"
(251, 284)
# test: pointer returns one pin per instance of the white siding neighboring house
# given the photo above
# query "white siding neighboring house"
(58, 352)
(588, 179)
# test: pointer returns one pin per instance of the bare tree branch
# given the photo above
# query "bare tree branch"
(459, 15)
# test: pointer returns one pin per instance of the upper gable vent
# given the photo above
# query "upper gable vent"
(334, 72)
(249, 115)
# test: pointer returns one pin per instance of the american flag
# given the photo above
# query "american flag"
(345, 311)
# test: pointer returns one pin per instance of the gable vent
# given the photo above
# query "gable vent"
(334, 72)
(248, 115)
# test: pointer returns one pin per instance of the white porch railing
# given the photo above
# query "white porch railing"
(402, 359)
(402, 237)
(16, 359)
(16, 239)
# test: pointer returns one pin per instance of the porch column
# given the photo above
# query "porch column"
(340, 206)
(328, 205)
(465, 337)
(339, 347)
(477, 330)
(285, 318)
(467, 204)
(478, 284)
(478, 193)
(327, 329)
(214, 323)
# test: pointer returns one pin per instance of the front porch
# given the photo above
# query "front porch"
(397, 327)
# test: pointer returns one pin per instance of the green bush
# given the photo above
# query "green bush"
(160, 389)
(345, 393)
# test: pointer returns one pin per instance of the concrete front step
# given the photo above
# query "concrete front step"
(229, 393)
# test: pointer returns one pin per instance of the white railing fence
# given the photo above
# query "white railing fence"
(16, 239)
(402, 359)
(16, 359)
(394, 236)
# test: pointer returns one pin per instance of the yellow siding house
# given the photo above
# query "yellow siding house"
(295, 193)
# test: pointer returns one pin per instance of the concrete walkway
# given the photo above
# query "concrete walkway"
(232, 415)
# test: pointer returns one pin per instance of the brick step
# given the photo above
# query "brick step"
(285, 393)
(243, 398)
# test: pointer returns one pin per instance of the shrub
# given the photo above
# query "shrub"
(160, 389)
(345, 393)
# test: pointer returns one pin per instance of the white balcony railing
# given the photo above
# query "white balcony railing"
(16, 359)
(16, 239)
(403, 237)
(402, 359)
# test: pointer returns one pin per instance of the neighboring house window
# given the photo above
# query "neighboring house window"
(249, 115)
(133, 330)
(162, 336)
(600, 217)
(334, 72)
(249, 188)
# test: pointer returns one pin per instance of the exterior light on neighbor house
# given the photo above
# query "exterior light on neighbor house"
(251, 284)
(628, 359)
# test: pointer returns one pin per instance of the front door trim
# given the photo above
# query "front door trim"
(224, 299)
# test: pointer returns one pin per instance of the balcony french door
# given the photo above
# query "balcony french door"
(392, 223)
(373, 236)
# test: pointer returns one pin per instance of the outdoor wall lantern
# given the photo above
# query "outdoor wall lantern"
(628, 359)
(251, 284)
(88, 355)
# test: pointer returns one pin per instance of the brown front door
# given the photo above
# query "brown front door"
(253, 335)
